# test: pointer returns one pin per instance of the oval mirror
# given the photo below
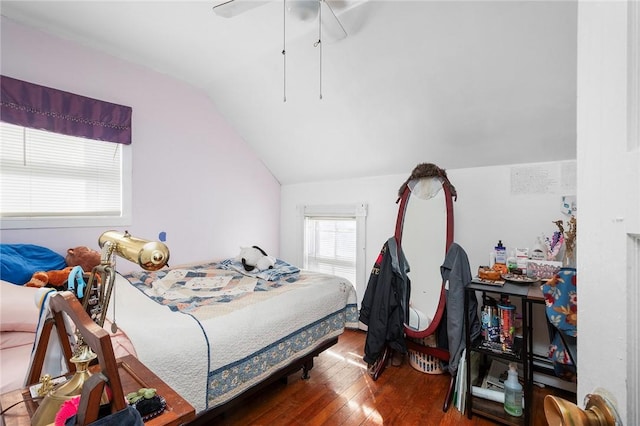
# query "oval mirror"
(424, 231)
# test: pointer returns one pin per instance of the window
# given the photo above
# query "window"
(334, 240)
(54, 180)
(330, 246)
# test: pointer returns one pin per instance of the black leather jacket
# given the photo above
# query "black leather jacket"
(385, 302)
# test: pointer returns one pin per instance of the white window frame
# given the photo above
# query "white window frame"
(124, 219)
(357, 211)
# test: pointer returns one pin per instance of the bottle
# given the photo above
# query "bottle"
(513, 392)
(512, 262)
(501, 253)
(539, 251)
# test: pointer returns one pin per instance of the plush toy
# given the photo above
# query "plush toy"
(56, 279)
(254, 259)
(83, 256)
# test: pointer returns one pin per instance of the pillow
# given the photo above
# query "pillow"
(19, 261)
(18, 311)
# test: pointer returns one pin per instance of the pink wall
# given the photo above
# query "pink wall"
(193, 176)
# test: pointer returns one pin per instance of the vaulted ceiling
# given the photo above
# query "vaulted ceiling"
(460, 84)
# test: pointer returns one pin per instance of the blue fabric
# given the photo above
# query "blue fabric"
(280, 270)
(561, 300)
(19, 262)
(127, 417)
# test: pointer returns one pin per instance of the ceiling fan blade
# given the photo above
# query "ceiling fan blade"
(332, 27)
(231, 8)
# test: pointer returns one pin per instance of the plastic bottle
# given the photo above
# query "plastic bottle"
(512, 262)
(501, 253)
(513, 392)
(539, 251)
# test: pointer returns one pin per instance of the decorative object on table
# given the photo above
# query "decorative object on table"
(570, 242)
(56, 397)
(491, 275)
(150, 256)
(488, 273)
(555, 243)
(519, 278)
(542, 269)
(147, 402)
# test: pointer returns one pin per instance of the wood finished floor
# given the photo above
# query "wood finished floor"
(340, 392)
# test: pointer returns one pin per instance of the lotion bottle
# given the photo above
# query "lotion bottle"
(513, 392)
(501, 253)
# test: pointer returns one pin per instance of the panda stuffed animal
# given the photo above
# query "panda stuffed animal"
(254, 259)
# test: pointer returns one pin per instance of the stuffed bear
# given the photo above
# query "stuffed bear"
(254, 259)
(56, 278)
(83, 256)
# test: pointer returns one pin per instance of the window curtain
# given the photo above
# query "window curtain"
(39, 107)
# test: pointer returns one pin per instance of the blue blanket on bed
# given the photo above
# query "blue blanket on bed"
(19, 262)
(279, 270)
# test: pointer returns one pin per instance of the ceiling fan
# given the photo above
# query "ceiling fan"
(303, 10)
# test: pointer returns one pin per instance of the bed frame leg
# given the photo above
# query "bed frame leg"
(306, 368)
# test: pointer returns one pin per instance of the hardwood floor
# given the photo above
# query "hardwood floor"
(341, 392)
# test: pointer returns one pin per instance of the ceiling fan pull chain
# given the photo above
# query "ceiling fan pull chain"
(284, 50)
(319, 42)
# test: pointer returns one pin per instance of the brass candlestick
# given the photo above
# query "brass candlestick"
(53, 400)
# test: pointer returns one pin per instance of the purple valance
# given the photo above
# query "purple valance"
(39, 107)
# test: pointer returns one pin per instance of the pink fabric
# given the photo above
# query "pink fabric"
(11, 339)
(14, 360)
(14, 363)
(19, 319)
(18, 311)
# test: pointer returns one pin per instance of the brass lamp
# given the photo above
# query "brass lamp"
(151, 256)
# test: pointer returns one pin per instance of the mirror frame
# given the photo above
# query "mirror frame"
(404, 199)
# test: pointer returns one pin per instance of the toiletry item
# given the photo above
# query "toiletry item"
(501, 253)
(513, 392)
(512, 262)
(522, 256)
(539, 251)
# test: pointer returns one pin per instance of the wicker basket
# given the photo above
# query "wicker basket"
(422, 362)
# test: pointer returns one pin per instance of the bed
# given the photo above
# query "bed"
(215, 332)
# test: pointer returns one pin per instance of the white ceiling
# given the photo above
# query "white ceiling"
(459, 84)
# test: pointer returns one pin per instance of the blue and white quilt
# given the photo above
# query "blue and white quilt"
(211, 333)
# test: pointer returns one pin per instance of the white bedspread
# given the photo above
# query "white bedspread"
(209, 355)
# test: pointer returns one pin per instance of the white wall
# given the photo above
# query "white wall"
(193, 176)
(485, 211)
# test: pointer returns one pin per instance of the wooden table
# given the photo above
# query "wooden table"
(133, 374)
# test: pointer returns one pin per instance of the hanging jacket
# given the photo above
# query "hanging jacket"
(385, 302)
(456, 274)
